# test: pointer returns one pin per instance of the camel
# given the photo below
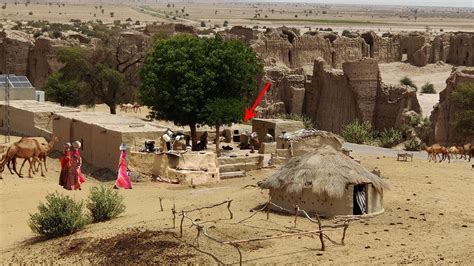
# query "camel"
(26, 148)
(455, 151)
(439, 150)
(45, 151)
(137, 107)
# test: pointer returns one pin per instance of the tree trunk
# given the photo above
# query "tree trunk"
(193, 136)
(218, 151)
(113, 108)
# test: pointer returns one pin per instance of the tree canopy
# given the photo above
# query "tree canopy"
(463, 98)
(97, 74)
(185, 79)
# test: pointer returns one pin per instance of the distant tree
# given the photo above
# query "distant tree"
(203, 24)
(129, 19)
(215, 12)
(407, 81)
(4, 6)
(223, 111)
(62, 91)
(30, 13)
(346, 33)
(324, 12)
(296, 16)
(463, 99)
(185, 78)
(226, 23)
(57, 34)
(137, 22)
(100, 72)
(112, 14)
(428, 88)
(168, 5)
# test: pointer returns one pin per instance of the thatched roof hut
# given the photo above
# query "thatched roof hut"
(323, 181)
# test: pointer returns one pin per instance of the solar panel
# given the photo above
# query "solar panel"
(15, 81)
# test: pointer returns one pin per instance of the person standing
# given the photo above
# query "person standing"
(73, 181)
(123, 179)
(65, 165)
(76, 152)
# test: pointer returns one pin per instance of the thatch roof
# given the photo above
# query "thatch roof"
(326, 170)
(309, 133)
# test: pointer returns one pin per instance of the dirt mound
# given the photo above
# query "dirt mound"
(133, 247)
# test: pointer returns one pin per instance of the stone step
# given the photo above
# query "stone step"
(235, 174)
(283, 153)
(279, 160)
(241, 159)
(238, 167)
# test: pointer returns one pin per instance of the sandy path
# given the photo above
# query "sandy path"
(425, 214)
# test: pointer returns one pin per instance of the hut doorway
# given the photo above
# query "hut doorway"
(359, 199)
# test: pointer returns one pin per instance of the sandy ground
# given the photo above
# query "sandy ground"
(432, 73)
(428, 219)
(304, 16)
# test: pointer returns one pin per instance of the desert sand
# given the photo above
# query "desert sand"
(428, 219)
(304, 16)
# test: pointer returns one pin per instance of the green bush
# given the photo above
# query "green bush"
(463, 99)
(61, 215)
(407, 81)
(358, 132)
(390, 137)
(428, 88)
(105, 203)
(414, 145)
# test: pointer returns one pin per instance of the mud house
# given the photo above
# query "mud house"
(300, 142)
(31, 118)
(274, 127)
(102, 134)
(328, 183)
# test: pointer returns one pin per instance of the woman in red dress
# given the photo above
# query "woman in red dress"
(65, 164)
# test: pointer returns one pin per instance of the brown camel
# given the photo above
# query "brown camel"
(439, 150)
(26, 148)
(44, 152)
(137, 108)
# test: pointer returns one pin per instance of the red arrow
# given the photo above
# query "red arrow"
(251, 113)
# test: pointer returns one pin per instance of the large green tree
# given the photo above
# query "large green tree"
(102, 74)
(184, 77)
(463, 98)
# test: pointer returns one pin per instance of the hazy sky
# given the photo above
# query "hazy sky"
(448, 3)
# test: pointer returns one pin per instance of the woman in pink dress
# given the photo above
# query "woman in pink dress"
(123, 180)
(76, 152)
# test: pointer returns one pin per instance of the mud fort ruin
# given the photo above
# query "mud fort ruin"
(331, 79)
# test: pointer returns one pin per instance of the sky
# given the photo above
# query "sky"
(447, 3)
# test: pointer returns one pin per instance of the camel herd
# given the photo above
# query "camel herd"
(128, 107)
(28, 149)
(440, 153)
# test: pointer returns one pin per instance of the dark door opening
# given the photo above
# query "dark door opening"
(359, 200)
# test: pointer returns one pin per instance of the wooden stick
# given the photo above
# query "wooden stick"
(268, 206)
(344, 233)
(181, 225)
(272, 237)
(321, 238)
(174, 215)
(161, 205)
(240, 253)
(297, 210)
(208, 207)
(228, 208)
